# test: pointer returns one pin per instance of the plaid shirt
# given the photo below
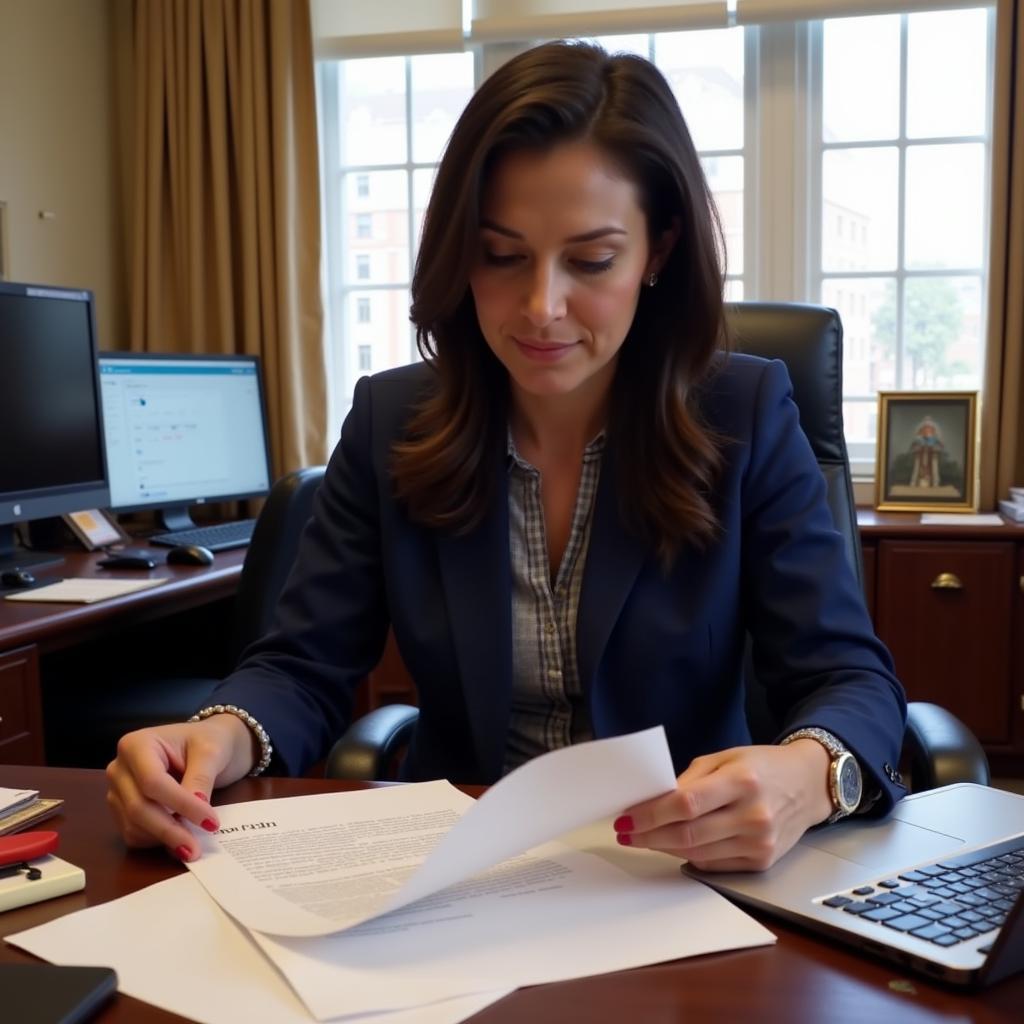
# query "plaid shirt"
(549, 707)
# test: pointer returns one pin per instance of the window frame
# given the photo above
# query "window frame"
(782, 185)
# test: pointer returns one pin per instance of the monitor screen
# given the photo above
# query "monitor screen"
(182, 430)
(51, 455)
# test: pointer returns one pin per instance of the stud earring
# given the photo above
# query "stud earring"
(652, 279)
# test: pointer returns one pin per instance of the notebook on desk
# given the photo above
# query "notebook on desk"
(936, 886)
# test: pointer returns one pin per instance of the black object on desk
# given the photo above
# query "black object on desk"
(190, 554)
(217, 537)
(128, 559)
(49, 994)
(17, 578)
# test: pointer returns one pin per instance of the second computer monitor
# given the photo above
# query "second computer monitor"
(182, 430)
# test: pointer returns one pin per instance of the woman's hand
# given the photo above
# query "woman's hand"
(145, 794)
(737, 810)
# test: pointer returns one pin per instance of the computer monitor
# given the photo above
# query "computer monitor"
(181, 431)
(51, 427)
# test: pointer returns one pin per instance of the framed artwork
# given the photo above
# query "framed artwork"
(95, 528)
(926, 444)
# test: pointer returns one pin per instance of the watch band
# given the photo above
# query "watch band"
(836, 750)
(831, 743)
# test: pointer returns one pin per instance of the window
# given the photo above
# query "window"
(384, 122)
(902, 156)
(865, 191)
(706, 69)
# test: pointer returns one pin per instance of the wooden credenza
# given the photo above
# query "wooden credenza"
(948, 601)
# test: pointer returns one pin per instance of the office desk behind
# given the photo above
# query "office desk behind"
(30, 631)
(801, 980)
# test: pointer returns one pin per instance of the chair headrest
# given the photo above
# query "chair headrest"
(809, 340)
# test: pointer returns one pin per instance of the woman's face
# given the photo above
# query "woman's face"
(563, 254)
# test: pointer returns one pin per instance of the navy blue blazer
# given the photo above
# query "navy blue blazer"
(653, 647)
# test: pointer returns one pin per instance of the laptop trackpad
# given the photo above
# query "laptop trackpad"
(882, 844)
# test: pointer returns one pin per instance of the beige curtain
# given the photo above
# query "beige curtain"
(1002, 429)
(224, 218)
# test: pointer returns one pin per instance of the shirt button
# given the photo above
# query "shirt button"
(554, 674)
(549, 628)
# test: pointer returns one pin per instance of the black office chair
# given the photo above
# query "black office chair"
(938, 748)
(91, 735)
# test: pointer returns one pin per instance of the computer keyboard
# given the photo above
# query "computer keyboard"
(945, 903)
(220, 537)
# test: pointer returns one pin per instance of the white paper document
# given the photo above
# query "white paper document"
(961, 519)
(12, 800)
(444, 903)
(315, 865)
(172, 946)
(84, 590)
(200, 964)
(581, 916)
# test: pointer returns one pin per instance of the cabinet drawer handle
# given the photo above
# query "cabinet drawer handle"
(947, 581)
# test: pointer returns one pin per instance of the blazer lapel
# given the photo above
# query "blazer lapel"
(477, 580)
(614, 559)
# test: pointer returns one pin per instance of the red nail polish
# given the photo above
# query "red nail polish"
(210, 825)
(623, 824)
(202, 796)
(624, 839)
(183, 853)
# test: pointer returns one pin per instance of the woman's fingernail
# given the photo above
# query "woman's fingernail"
(183, 853)
(623, 824)
(209, 824)
(202, 796)
(624, 839)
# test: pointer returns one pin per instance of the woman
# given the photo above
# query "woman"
(573, 514)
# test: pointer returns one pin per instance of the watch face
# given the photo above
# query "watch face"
(850, 783)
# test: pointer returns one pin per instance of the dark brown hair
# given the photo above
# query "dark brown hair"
(665, 461)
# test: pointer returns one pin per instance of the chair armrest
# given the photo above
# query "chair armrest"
(370, 743)
(941, 749)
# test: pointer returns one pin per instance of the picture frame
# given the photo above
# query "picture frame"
(95, 528)
(926, 451)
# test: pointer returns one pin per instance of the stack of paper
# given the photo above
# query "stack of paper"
(411, 902)
(1014, 508)
(20, 808)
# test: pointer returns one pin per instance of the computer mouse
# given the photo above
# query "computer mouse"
(189, 554)
(17, 578)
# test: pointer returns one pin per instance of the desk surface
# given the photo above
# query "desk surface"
(801, 979)
(60, 625)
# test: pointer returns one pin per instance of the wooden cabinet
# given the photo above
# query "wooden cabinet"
(21, 720)
(948, 602)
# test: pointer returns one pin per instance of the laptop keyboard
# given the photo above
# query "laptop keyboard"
(219, 537)
(947, 903)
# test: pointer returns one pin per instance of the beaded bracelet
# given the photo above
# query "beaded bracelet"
(266, 750)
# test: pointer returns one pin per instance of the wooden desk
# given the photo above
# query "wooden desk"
(801, 979)
(29, 632)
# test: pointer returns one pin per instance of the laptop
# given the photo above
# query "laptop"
(936, 886)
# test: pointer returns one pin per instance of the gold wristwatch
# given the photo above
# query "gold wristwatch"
(845, 781)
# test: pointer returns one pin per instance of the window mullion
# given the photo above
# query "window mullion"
(410, 202)
(779, 222)
(901, 206)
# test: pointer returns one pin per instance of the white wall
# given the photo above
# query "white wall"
(58, 151)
